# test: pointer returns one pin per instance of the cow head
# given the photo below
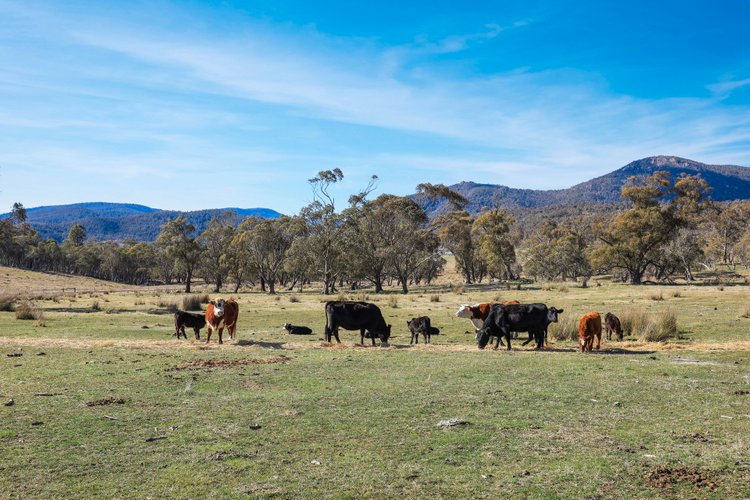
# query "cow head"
(483, 338)
(218, 307)
(287, 327)
(385, 335)
(552, 314)
(464, 311)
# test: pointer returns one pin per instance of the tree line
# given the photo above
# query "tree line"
(669, 229)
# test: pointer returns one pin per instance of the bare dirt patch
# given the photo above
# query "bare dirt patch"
(106, 402)
(201, 364)
(665, 477)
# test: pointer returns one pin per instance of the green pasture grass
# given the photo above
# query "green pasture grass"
(346, 422)
(361, 422)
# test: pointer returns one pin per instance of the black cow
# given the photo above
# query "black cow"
(297, 330)
(183, 319)
(361, 316)
(421, 325)
(532, 318)
(612, 324)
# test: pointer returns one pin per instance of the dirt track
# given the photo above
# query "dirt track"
(619, 348)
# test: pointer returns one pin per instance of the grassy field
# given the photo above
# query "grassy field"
(98, 377)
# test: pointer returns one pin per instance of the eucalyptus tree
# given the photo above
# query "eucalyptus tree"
(177, 240)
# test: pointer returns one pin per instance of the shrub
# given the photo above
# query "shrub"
(566, 328)
(393, 302)
(293, 299)
(191, 303)
(6, 302)
(434, 298)
(25, 310)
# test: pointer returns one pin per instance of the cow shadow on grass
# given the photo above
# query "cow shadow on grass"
(260, 343)
(609, 351)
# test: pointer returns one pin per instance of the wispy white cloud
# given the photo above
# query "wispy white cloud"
(159, 88)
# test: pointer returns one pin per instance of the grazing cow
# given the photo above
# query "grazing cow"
(612, 324)
(589, 327)
(361, 316)
(297, 330)
(184, 319)
(503, 319)
(221, 314)
(421, 325)
(479, 312)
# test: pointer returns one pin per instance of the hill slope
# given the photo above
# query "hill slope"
(120, 221)
(729, 182)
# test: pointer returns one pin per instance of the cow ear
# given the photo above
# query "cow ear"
(560, 311)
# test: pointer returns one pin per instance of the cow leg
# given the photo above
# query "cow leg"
(362, 337)
(336, 334)
(221, 330)
(426, 338)
(197, 333)
(540, 338)
(208, 334)
(531, 337)
(507, 335)
(598, 341)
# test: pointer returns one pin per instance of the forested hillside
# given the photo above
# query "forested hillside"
(728, 182)
(121, 221)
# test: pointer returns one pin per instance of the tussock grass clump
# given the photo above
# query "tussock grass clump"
(40, 319)
(745, 312)
(25, 310)
(458, 289)
(341, 297)
(191, 303)
(294, 299)
(205, 299)
(166, 304)
(566, 328)
(95, 306)
(435, 298)
(140, 302)
(363, 297)
(393, 302)
(677, 294)
(6, 302)
(658, 327)
(562, 289)
(657, 296)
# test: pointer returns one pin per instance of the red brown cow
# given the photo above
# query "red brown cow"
(221, 314)
(589, 327)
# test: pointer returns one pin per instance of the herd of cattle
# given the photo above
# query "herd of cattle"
(491, 319)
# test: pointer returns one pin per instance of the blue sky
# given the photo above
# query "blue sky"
(189, 105)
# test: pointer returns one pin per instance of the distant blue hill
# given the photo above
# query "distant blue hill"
(123, 221)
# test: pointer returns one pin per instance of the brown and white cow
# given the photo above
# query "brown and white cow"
(590, 326)
(478, 312)
(221, 314)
